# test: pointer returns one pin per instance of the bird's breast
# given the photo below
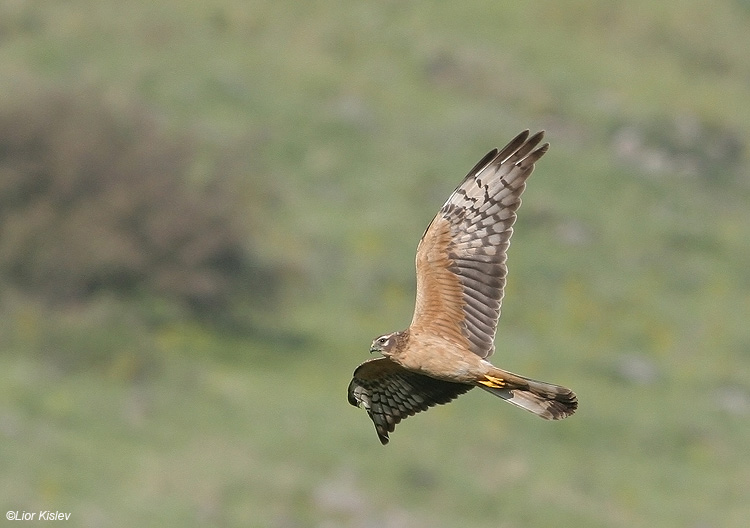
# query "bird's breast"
(441, 359)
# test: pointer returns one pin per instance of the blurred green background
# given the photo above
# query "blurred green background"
(209, 209)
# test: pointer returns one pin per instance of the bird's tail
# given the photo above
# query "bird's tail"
(548, 401)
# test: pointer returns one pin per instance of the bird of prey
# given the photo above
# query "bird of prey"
(460, 280)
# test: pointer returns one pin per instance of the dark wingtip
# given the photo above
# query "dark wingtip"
(536, 138)
(512, 146)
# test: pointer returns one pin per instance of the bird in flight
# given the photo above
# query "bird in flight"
(460, 281)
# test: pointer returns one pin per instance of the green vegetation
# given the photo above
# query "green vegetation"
(201, 384)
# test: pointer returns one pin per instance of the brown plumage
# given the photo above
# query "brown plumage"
(460, 280)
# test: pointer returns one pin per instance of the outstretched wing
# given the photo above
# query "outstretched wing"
(461, 257)
(391, 393)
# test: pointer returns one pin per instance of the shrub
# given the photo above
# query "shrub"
(95, 200)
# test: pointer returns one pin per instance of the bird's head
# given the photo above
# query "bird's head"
(385, 344)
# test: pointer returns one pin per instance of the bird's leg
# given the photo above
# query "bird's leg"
(492, 382)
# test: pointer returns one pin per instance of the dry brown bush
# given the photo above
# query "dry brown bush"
(93, 200)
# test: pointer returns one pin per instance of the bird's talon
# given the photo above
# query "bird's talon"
(493, 382)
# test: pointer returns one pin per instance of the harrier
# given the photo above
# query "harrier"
(460, 280)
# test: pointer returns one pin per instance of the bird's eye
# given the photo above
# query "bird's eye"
(383, 340)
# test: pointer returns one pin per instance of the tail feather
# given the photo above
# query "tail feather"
(551, 402)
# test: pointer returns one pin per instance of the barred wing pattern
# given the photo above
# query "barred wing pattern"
(391, 393)
(461, 258)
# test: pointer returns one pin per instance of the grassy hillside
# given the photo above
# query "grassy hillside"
(342, 127)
